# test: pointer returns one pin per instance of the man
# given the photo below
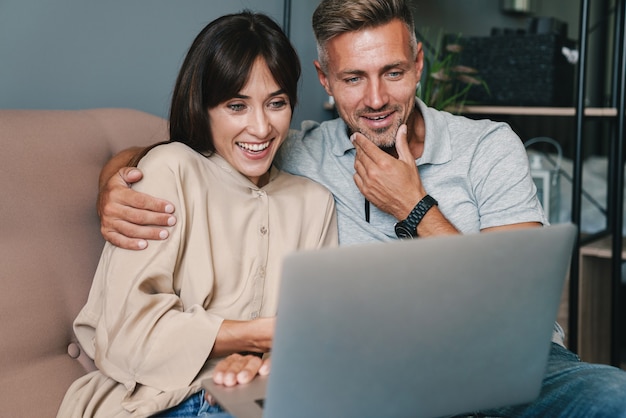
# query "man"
(396, 168)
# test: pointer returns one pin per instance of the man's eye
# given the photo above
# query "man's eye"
(352, 80)
(394, 74)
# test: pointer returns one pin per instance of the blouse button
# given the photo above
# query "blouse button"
(263, 230)
(73, 350)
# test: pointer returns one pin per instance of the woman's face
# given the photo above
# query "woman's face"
(249, 128)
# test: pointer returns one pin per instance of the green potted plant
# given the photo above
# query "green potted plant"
(445, 83)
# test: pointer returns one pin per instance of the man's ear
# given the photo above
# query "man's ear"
(322, 77)
(419, 60)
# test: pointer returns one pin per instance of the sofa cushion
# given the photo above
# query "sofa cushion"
(50, 241)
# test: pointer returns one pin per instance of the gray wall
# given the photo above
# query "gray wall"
(312, 95)
(71, 54)
(84, 53)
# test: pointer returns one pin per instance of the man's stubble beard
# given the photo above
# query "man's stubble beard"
(384, 138)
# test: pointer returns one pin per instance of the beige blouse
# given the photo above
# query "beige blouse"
(153, 315)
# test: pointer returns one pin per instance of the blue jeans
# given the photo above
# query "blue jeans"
(195, 406)
(572, 389)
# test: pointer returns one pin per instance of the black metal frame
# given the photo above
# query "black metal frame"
(287, 17)
(615, 176)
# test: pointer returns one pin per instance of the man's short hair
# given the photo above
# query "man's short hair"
(335, 17)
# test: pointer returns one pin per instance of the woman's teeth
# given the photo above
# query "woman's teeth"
(253, 147)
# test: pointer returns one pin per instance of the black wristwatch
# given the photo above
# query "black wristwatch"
(408, 227)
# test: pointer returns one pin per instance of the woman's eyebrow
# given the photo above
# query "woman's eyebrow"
(275, 93)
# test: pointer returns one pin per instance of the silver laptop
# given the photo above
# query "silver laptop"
(420, 328)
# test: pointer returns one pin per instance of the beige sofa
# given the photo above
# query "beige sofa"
(50, 242)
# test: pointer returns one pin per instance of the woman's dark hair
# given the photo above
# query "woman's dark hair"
(217, 67)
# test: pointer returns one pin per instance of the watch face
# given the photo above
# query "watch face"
(403, 232)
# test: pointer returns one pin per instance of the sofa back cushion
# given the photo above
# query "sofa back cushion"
(50, 241)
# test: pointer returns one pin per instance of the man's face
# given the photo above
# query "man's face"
(372, 75)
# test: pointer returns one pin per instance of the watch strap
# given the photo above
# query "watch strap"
(418, 213)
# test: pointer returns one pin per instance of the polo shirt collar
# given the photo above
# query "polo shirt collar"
(437, 143)
(338, 131)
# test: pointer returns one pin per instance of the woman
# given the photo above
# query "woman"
(157, 320)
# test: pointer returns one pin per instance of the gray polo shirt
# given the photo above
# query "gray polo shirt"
(476, 169)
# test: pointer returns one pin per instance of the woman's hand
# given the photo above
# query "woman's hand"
(238, 369)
